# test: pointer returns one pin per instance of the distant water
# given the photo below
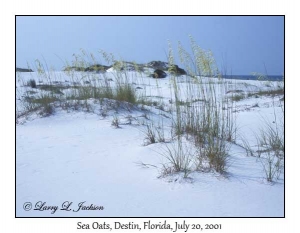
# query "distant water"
(251, 77)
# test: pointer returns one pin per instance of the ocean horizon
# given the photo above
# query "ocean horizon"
(253, 77)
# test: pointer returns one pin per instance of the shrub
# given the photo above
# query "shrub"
(272, 166)
(32, 83)
(175, 70)
(47, 110)
(238, 97)
(115, 122)
(43, 102)
(154, 134)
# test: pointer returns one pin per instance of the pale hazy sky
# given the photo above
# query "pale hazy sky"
(242, 44)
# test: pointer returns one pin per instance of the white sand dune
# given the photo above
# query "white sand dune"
(79, 157)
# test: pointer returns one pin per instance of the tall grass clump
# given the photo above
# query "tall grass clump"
(154, 133)
(217, 154)
(206, 119)
(270, 140)
(42, 102)
(126, 92)
(99, 85)
(179, 158)
(269, 146)
(87, 83)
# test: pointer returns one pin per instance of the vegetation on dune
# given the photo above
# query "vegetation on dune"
(198, 114)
